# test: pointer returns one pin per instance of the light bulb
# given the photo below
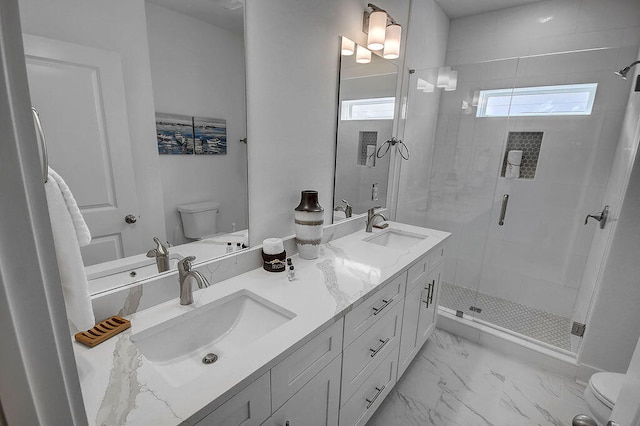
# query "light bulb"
(363, 55)
(348, 47)
(377, 30)
(392, 42)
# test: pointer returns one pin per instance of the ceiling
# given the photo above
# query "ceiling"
(225, 14)
(228, 14)
(460, 8)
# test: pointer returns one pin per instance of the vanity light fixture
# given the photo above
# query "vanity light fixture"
(363, 55)
(348, 47)
(383, 31)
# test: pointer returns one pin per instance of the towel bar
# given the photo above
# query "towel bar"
(43, 145)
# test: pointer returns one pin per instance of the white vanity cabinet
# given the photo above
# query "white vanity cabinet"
(420, 305)
(316, 404)
(342, 375)
(249, 407)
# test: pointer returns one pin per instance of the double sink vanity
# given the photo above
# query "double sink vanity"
(324, 349)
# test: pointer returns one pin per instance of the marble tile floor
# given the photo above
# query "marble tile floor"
(531, 322)
(454, 382)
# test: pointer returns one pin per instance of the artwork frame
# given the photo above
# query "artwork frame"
(185, 135)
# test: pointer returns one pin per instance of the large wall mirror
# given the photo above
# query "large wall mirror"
(88, 86)
(366, 111)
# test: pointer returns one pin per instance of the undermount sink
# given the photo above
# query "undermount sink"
(396, 239)
(225, 327)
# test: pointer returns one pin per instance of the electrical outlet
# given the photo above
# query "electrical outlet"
(374, 192)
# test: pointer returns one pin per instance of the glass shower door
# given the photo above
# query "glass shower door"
(449, 182)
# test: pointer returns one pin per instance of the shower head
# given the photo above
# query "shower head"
(623, 72)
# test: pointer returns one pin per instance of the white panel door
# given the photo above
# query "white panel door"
(79, 94)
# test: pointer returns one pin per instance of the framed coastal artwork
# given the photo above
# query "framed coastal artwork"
(183, 135)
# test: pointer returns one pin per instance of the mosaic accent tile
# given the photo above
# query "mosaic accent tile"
(367, 139)
(529, 143)
(535, 323)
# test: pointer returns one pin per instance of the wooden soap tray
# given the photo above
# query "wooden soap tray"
(102, 331)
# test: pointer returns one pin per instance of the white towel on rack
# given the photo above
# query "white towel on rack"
(80, 226)
(67, 244)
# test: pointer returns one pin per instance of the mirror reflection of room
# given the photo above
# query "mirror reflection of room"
(98, 108)
(367, 105)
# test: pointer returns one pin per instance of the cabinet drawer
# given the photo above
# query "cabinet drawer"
(370, 311)
(368, 397)
(298, 368)
(251, 406)
(366, 353)
(316, 404)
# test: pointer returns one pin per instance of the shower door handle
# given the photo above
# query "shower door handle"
(503, 210)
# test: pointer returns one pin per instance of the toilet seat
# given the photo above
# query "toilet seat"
(606, 387)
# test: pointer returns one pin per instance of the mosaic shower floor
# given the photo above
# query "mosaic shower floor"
(534, 323)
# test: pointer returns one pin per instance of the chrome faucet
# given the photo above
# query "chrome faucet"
(347, 209)
(161, 253)
(186, 275)
(371, 217)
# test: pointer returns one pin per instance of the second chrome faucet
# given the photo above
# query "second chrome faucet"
(186, 276)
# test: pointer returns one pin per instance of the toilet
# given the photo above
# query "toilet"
(601, 394)
(199, 220)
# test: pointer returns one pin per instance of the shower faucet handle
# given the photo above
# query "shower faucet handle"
(600, 217)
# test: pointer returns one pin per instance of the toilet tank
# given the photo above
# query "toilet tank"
(199, 220)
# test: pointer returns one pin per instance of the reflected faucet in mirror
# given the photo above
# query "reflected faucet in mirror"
(161, 254)
(347, 209)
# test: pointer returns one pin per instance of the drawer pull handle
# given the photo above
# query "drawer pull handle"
(432, 286)
(386, 303)
(425, 300)
(379, 348)
(374, 397)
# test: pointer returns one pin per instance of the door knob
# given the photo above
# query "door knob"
(583, 420)
(130, 219)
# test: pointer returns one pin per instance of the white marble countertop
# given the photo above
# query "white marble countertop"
(121, 387)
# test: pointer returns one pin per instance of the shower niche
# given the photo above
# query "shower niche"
(527, 142)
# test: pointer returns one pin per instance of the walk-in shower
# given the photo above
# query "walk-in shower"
(516, 266)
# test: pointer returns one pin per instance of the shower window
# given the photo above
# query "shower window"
(573, 99)
(368, 109)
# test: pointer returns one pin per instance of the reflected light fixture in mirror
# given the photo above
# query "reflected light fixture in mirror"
(363, 55)
(348, 47)
(453, 82)
(383, 32)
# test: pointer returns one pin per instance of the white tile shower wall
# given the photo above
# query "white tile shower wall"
(544, 27)
(212, 85)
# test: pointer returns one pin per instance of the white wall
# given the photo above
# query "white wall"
(544, 27)
(117, 26)
(198, 70)
(292, 77)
